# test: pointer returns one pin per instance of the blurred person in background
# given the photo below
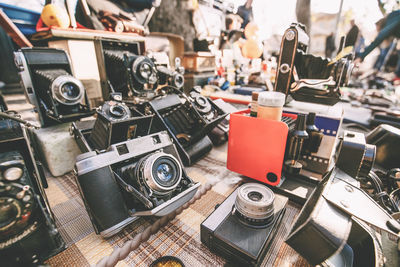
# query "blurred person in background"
(352, 34)
(246, 13)
(330, 46)
(388, 27)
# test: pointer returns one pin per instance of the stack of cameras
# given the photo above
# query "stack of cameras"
(28, 233)
(135, 149)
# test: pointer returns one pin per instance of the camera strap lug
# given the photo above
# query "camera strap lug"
(356, 203)
(131, 190)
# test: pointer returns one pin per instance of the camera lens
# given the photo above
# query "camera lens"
(67, 90)
(160, 172)
(164, 172)
(202, 104)
(117, 111)
(145, 70)
(70, 90)
(367, 161)
(254, 204)
(254, 196)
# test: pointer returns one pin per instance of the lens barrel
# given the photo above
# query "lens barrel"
(254, 204)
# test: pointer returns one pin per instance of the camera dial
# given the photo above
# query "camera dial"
(16, 206)
(159, 172)
(67, 90)
(254, 204)
(367, 161)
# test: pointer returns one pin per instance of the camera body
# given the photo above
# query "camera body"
(306, 77)
(138, 177)
(28, 233)
(116, 122)
(188, 123)
(50, 86)
(242, 227)
(130, 74)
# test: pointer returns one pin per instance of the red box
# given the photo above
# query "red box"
(256, 147)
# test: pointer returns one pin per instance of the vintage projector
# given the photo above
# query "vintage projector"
(188, 119)
(28, 233)
(130, 74)
(242, 227)
(308, 78)
(50, 86)
(139, 177)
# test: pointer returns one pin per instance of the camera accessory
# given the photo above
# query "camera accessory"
(295, 145)
(334, 226)
(130, 74)
(171, 77)
(386, 138)
(167, 261)
(356, 157)
(115, 123)
(187, 125)
(28, 233)
(242, 227)
(312, 143)
(49, 85)
(269, 105)
(138, 177)
(306, 77)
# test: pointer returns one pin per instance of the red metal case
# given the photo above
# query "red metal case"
(256, 147)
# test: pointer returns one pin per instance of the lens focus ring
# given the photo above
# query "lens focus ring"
(161, 172)
(255, 203)
(67, 90)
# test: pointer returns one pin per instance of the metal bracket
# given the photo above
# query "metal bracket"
(355, 202)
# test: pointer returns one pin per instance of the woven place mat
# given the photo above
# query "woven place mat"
(180, 237)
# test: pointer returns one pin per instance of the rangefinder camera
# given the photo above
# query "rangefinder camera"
(28, 233)
(138, 177)
(242, 227)
(50, 86)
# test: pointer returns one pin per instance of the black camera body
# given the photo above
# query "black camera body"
(139, 177)
(242, 227)
(188, 120)
(50, 86)
(28, 233)
(306, 77)
(130, 74)
(116, 122)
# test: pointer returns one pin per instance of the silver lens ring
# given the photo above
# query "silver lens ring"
(255, 203)
(157, 170)
(67, 98)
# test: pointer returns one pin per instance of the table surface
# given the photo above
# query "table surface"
(180, 237)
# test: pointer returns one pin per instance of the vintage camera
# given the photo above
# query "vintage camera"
(28, 233)
(187, 125)
(50, 86)
(168, 76)
(116, 122)
(242, 227)
(130, 74)
(138, 177)
(306, 77)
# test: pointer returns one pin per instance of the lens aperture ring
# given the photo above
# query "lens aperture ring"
(67, 90)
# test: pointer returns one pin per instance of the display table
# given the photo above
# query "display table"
(180, 238)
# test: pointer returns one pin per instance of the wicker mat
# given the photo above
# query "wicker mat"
(181, 236)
